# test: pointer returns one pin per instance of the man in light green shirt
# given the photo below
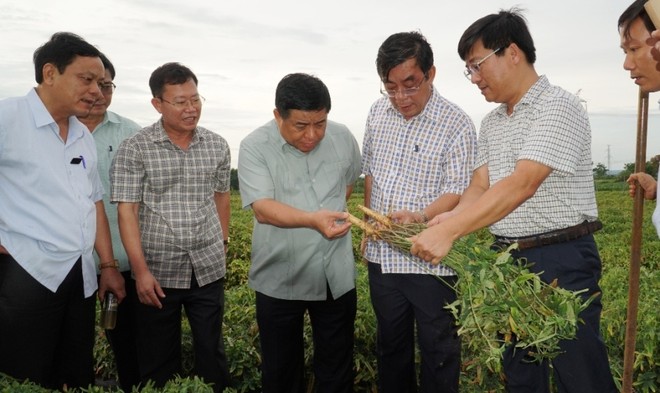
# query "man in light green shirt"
(109, 130)
(296, 173)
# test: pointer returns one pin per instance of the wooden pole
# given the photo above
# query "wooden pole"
(635, 247)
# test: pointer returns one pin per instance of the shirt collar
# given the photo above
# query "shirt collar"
(533, 94)
(285, 146)
(159, 134)
(41, 115)
(43, 118)
(435, 100)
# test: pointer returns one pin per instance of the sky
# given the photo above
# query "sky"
(240, 50)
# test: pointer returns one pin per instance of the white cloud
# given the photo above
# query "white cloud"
(240, 50)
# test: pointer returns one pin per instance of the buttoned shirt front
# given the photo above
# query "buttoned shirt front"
(48, 190)
(299, 263)
(179, 224)
(412, 163)
(108, 135)
(549, 126)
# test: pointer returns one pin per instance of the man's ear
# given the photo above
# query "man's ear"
(157, 103)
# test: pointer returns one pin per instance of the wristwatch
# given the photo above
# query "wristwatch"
(110, 264)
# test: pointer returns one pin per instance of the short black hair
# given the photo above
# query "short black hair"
(400, 47)
(302, 92)
(107, 64)
(61, 50)
(634, 11)
(499, 31)
(169, 74)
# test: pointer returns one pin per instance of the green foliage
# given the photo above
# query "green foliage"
(650, 167)
(498, 299)
(241, 332)
(177, 385)
(10, 385)
(233, 179)
(600, 170)
(610, 183)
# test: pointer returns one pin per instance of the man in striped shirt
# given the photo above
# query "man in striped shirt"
(533, 185)
(418, 155)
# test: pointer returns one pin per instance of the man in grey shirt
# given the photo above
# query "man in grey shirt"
(171, 181)
(296, 173)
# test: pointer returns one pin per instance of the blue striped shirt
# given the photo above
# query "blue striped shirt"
(412, 163)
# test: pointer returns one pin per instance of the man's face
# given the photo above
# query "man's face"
(101, 105)
(405, 76)
(490, 79)
(302, 129)
(638, 59)
(77, 88)
(180, 105)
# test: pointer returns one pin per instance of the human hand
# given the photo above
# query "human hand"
(432, 244)
(3, 250)
(407, 217)
(149, 290)
(655, 50)
(440, 218)
(646, 182)
(331, 224)
(111, 281)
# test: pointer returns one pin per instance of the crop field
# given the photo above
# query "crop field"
(241, 333)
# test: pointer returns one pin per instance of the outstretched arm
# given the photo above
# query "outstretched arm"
(330, 224)
(492, 205)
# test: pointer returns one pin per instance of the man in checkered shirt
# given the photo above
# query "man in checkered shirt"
(171, 181)
(418, 155)
(533, 185)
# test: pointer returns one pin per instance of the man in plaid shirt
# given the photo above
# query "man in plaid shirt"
(171, 181)
(417, 159)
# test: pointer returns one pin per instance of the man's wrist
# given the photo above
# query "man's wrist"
(423, 215)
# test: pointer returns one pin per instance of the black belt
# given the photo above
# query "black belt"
(552, 237)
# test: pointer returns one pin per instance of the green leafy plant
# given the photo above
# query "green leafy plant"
(500, 302)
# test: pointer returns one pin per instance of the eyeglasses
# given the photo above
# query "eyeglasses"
(107, 88)
(474, 68)
(195, 102)
(406, 92)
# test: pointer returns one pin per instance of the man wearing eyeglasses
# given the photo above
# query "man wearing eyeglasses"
(171, 183)
(418, 153)
(51, 216)
(533, 177)
(109, 130)
(640, 46)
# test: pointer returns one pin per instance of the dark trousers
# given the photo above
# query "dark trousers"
(44, 336)
(123, 340)
(281, 324)
(400, 300)
(584, 365)
(159, 335)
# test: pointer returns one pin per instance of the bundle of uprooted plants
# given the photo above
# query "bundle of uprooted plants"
(500, 303)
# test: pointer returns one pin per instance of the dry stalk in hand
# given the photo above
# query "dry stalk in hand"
(500, 301)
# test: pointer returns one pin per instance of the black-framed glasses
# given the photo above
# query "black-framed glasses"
(195, 102)
(405, 92)
(107, 87)
(474, 68)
